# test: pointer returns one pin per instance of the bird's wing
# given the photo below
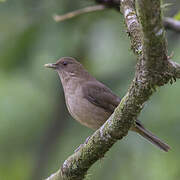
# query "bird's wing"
(100, 95)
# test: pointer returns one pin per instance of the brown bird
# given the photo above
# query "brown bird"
(89, 101)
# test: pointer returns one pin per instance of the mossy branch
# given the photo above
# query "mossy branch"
(133, 27)
(153, 69)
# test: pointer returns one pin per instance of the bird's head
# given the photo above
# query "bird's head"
(68, 66)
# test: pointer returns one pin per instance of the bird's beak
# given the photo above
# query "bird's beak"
(51, 65)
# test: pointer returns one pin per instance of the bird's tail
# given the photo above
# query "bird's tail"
(140, 129)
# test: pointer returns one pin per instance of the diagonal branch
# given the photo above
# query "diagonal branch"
(153, 69)
(172, 24)
(78, 12)
(103, 4)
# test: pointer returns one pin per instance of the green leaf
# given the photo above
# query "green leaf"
(177, 16)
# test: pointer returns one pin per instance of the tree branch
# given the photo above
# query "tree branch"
(55, 176)
(174, 69)
(132, 24)
(153, 69)
(78, 12)
(154, 42)
(169, 23)
(172, 24)
(110, 3)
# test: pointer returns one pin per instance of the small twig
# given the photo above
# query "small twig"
(170, 23)
(78, 12)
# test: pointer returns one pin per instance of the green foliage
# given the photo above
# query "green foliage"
(177, 16)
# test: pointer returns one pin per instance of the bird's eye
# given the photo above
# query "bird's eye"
(64, 63)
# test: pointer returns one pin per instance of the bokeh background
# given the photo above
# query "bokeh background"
(36, 132)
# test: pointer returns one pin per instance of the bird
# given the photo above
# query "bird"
(89, 101)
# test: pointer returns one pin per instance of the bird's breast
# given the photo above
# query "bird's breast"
(84, 111)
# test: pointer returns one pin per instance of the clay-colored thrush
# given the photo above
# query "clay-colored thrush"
(89, 101)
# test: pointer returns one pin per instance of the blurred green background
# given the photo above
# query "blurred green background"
(36, 132)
